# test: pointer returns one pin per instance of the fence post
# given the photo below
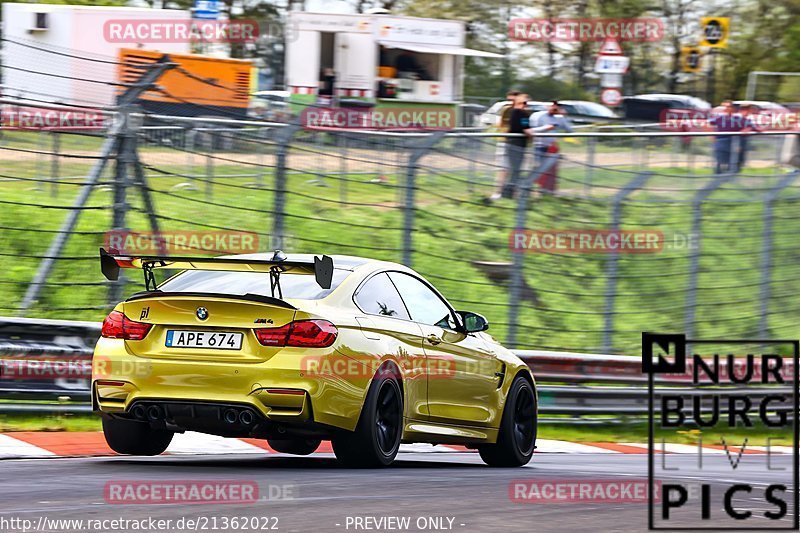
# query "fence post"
(517, 276)
(210, 168)
(612, 266)
(191, 134)
(343, 168)
(41, 143)
(140, 180)
(694, 257)
(587, 187)
(766, 251)
(261, 137)
(126, 156)
(411, 190)
(55, 163)
(283, 139)
(474, 152)
(777, 140)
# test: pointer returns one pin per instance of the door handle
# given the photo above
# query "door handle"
(433, 339)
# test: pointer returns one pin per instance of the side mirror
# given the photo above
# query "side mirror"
(473, 322)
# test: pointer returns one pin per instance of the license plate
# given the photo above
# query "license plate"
(219, 340)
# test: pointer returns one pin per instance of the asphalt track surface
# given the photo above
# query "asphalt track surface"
(323, 495)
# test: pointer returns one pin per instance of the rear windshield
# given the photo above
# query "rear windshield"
(301, 287)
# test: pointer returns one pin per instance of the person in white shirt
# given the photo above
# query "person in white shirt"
(552, 119)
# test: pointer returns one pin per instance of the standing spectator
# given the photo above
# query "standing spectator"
(327, 83)
(500, 152)
(722, 119)
(552, 119)
(518, 123)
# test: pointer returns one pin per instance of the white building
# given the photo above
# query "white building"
(67, 54)
(422, 58)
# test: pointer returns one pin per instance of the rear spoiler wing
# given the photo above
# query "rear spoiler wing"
(322, 268)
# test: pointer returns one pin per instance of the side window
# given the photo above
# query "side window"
(379, 297)
(424, 305)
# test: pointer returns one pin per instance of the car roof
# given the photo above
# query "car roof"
(661, 96)
(761, 103)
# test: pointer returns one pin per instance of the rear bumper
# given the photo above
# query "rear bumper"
(280, 390)
(217, 418)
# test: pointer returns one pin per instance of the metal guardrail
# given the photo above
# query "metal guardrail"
(575, 385)
(65, 346)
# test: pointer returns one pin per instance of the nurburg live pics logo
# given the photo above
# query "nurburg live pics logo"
(740, 390)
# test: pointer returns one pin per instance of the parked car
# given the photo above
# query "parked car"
(491, 117)
(650, 107)
(769, 115)
(761, 106)
(579, 111)
(586, 111)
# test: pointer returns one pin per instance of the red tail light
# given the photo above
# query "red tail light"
(302, 333)
(312, 334)
(118, 326)
(274, 336)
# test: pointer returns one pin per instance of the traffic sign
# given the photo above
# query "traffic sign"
(612, 64)
(611, 96)
(206, 9)
(691, 59)
(610, 47)
(610, 80)
(715, 31)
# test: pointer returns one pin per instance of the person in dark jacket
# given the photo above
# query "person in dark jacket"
(516, 145)
(500, 151)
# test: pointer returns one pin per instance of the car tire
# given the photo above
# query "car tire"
(376, 440)
(130, 437)
(295, 446)
(516, 438)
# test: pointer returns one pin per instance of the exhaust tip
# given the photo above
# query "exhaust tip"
(246, 418)
(154, 412)
(139, 412)
(230, 416)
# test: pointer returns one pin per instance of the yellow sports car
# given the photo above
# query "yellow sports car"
(299, 349)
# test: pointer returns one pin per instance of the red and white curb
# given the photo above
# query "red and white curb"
(41, 444)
